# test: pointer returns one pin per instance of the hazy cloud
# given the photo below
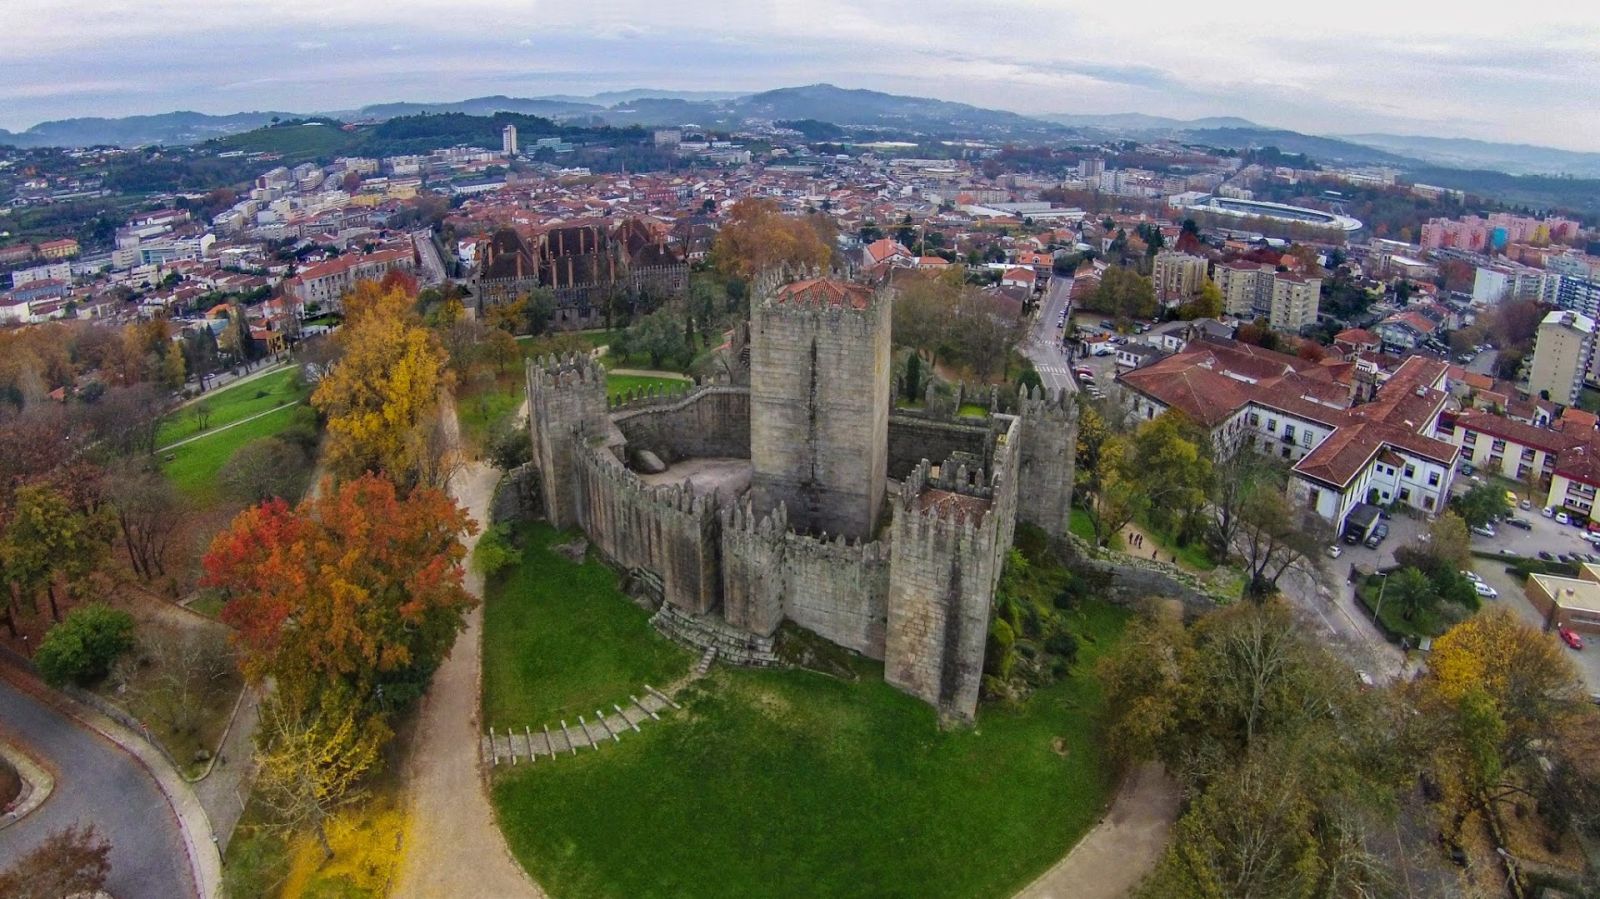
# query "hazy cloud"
(1366, 65)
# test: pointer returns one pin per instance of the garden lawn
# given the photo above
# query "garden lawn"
(193, 467)
(617, 385)
(560, 639)
(1428, 622)
(791, 783)
(231, 404)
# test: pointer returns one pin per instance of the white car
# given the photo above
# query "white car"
(1472, 576)
(1483, 530)
(1335, 551)
(1563, 518)
(1548, 512)
(1485, 591)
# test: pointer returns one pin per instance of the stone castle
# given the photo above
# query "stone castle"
(793, 490)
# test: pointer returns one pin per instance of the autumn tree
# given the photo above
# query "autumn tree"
(313, 763)
(263, 469)
(355, 587)
(385, 387)
(1172, 461)
(1235, 479)
(1208, 304)
(501, 349)
(74, 861)
(1275, 535)
(47, 541)
(756, 236)
(1123, 293)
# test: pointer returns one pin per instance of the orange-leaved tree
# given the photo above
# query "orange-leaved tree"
(384, 388)
(758, 236)
(357, 589)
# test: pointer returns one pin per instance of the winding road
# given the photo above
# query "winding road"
(97, 783)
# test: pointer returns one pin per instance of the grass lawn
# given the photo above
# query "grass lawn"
(233, 403)
(1427, 623)
(568, 629)
(193, 467)
(775, 783)
(479, 411)
(617, 385)
(973, 410)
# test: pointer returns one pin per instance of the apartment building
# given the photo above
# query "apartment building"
(1178, 276)
(1294, 302)
(1563, 353)
(1246, 288)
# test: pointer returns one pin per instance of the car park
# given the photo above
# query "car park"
(1545, 555)
(1563, 518)
(1570, 637)
(1485, 591)
(1472, 576)
(1522, 523)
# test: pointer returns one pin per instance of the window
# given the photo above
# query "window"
(1286, 452)
(1255, 420)
(1522, 471)
(1498, 446)
(1411, 471)
(1427, 502)
(1527, 455)
(1433, 479)
(1288, 433)
(1272, 425)
(1305, 438)
(1405, 494)
(1471, 438)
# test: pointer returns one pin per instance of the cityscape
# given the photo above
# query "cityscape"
(929, 478)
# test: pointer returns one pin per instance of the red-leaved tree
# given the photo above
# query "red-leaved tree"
(357, 588)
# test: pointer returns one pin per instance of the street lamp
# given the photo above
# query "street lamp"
(1377, 614)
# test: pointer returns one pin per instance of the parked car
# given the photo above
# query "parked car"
(1570, 637)
(1351, 538)
(1471, 576)
(1548, 512)
(1485, 591)
(1335, 551)
(1563, 518)
(1516, 522)
(1483, 530)
(1525, 505)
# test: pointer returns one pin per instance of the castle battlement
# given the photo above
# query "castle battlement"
(559, 372)
(679, 499)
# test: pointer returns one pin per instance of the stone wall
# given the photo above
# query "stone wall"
(836, 589)
(666, 530)
(1049, 449)
(819, 412)
(914, 437)
(567, 406)
(516, 496)
(711, 422)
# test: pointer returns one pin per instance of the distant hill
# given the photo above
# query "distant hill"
(297, 140)
(1139, 122)
(1465, 153)
(539, 106)
(1320, 149)
(167, 128)
(615, 98)
(874, 109)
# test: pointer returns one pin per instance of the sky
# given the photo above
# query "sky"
(1522, 74)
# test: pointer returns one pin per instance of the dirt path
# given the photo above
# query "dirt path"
(232, 424)
(453, 847)
(1111, 860)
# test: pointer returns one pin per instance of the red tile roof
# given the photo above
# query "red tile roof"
(825, 292)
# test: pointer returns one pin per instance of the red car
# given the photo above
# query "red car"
(1570, 637)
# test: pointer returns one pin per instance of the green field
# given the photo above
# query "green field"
(617, 385)
(778, 783)
(297, 143)
(193, 467)
(569, 629)
(233, 403)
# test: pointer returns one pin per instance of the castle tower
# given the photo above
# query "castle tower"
(945, 561)
(819, 403)
(566, 403)
(1049, 456)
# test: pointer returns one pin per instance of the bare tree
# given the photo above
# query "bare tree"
(192, 664)
(1274, 536)
(71, 862)
(149, 513)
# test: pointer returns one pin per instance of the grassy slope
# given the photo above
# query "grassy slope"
(194, 466)
(782, 783)
(233, 403)
(568, 629)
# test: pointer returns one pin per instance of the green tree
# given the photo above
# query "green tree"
(1410, 591)
(81, 649)
(1275, 535)
(913, 380)
(1125, 294)
(48, 541)
(1171, 462)
(1481, 505)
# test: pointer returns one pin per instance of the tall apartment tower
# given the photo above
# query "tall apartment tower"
(508, 140)
(1563, 352)
(819, 404)
(1294, 302)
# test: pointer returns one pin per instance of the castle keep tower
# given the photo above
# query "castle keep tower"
(819, 404)
(1049, 455)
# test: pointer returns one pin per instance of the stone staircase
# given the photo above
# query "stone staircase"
(511, 746)
(716, 638)
(705, 662)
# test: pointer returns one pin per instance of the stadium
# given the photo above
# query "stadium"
(1279, 211)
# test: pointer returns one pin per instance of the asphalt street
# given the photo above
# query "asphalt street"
(1043, 346)
(98, 783)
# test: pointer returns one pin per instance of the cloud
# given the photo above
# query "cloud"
(1374, 64)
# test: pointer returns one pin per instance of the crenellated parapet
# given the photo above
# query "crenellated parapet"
(566, 406)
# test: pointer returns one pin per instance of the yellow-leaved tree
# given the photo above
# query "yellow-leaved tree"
(385, 389)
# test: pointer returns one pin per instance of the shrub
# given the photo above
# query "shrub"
(509, 446)
(80, 649)
(494, 551)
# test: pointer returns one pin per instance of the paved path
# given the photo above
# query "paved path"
(453, 847)
(1111, 860)
(99, 783)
